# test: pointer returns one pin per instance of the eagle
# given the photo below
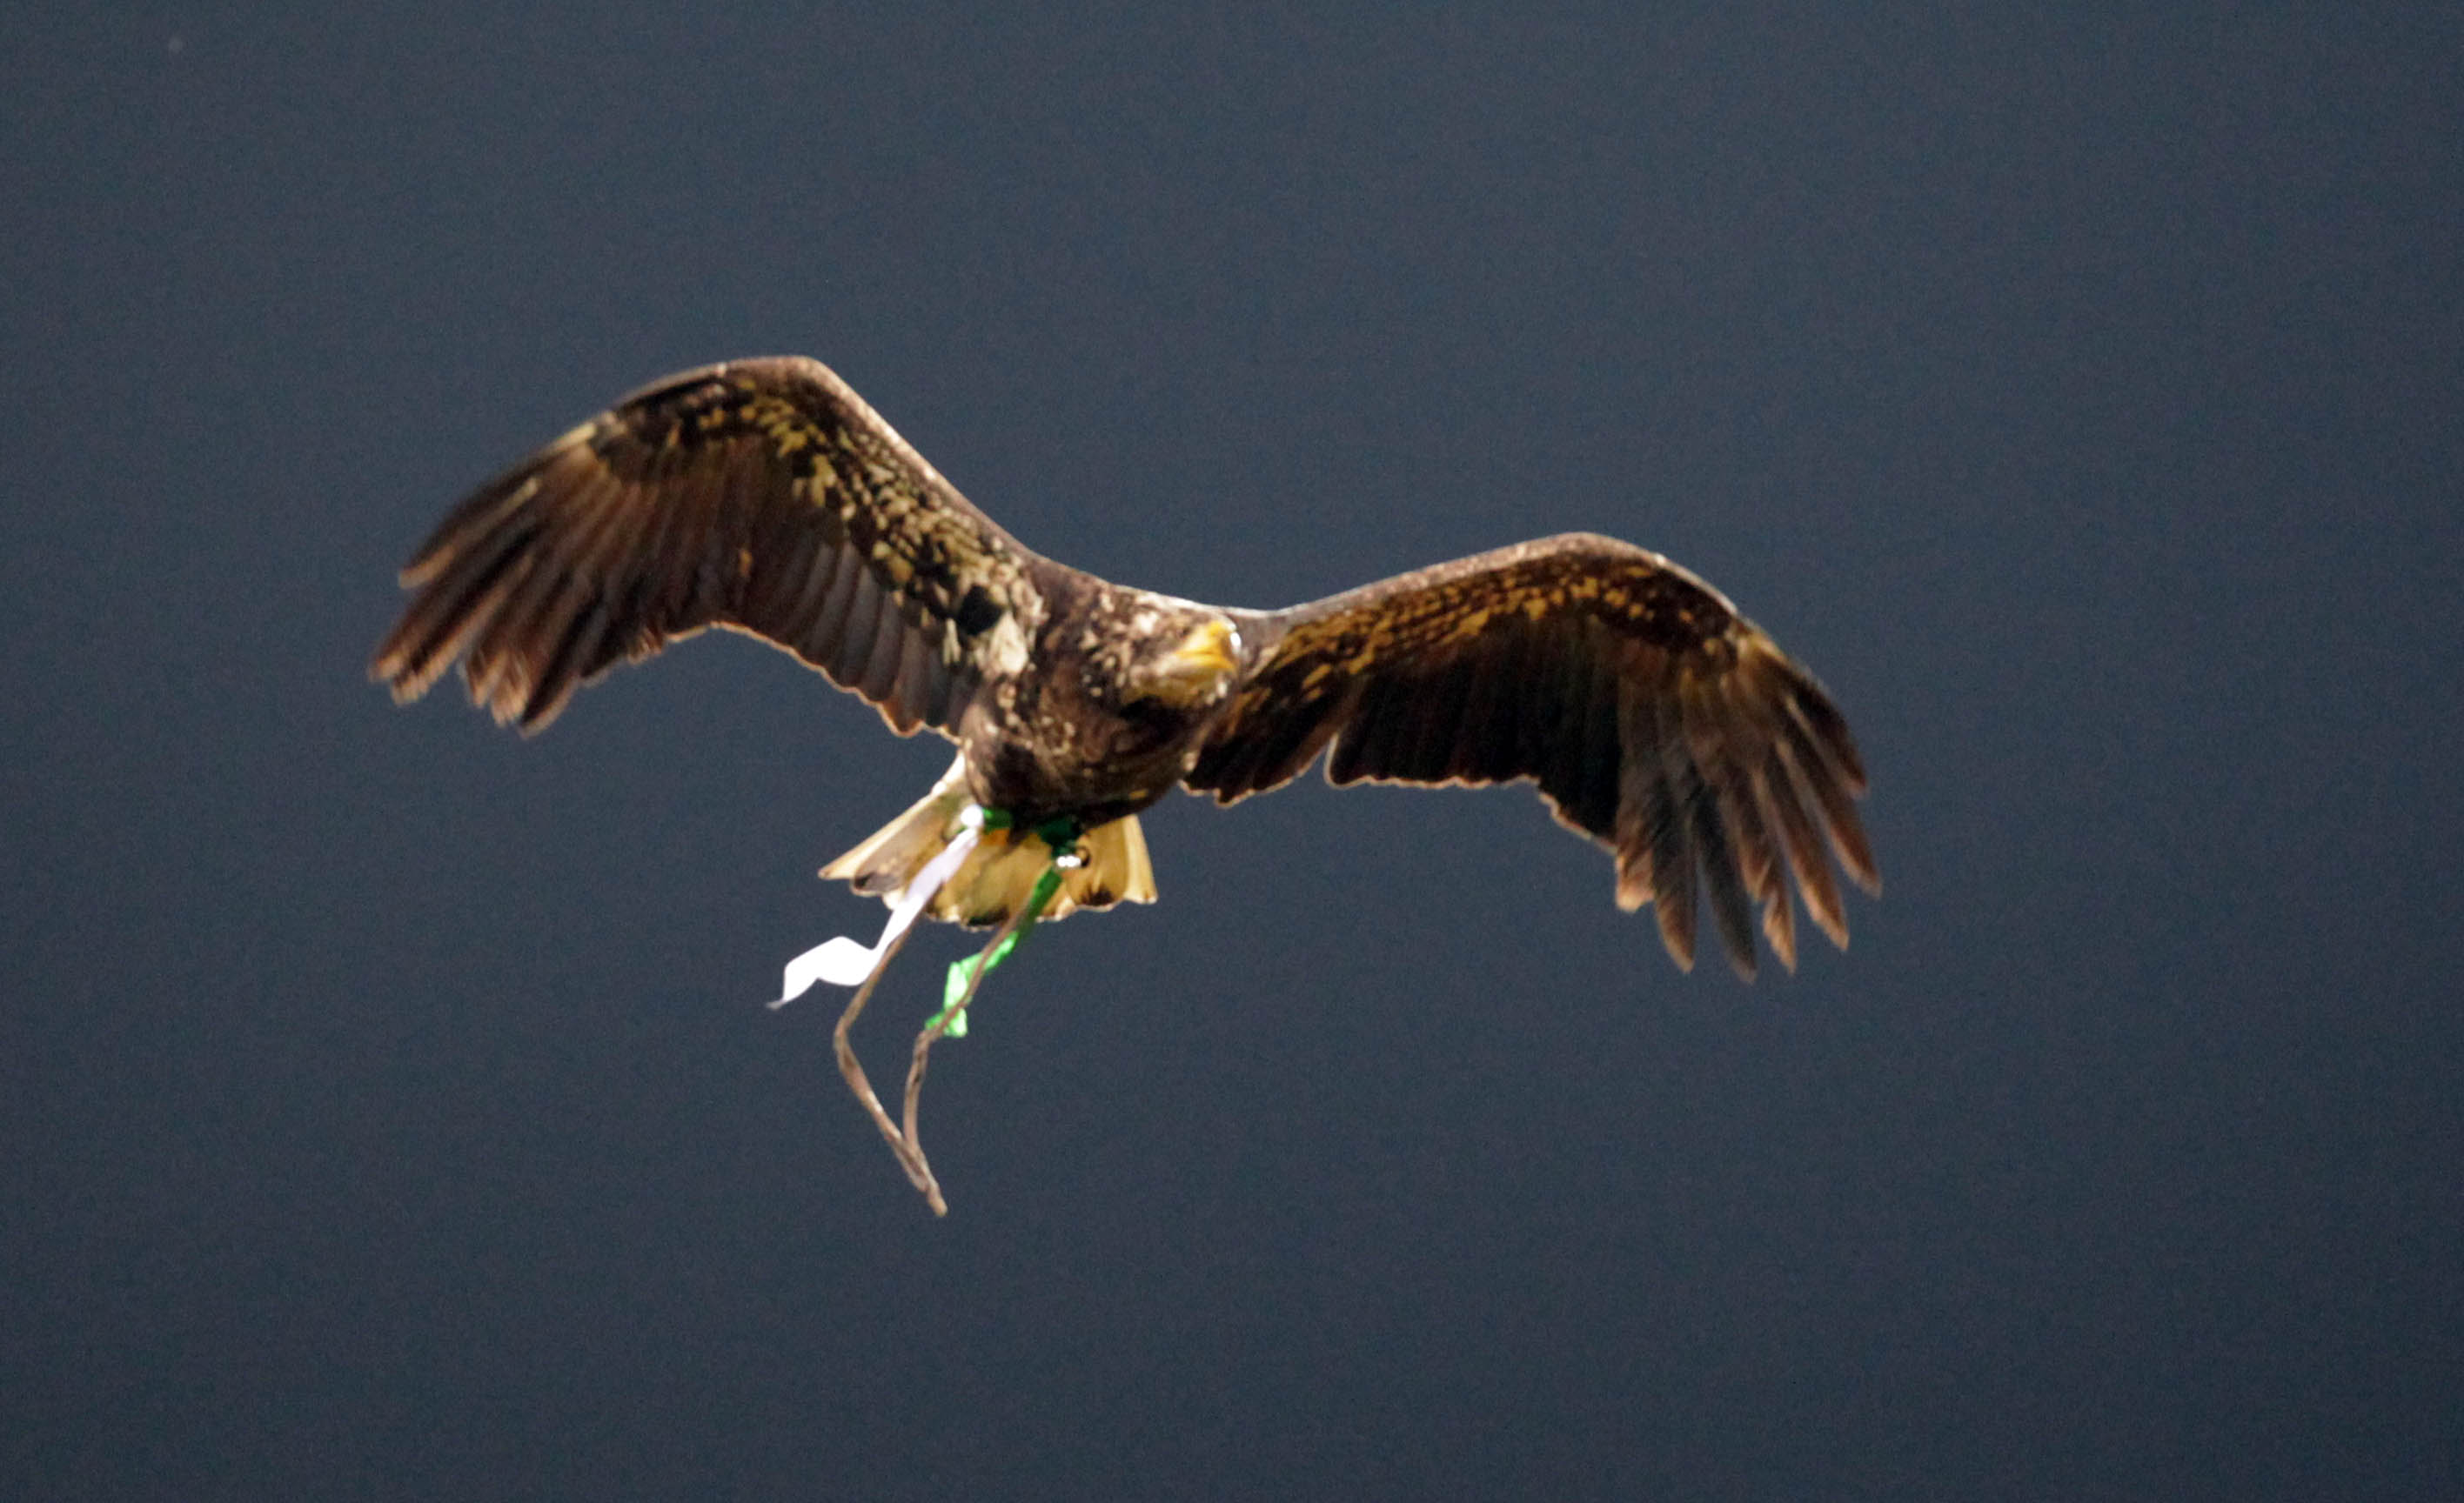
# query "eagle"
(764, 497)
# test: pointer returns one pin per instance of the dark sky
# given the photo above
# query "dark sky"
(386, 1108)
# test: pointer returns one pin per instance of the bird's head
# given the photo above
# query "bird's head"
(1192, 670)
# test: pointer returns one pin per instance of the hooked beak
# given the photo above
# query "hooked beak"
(1196, 673)
(1211, 651)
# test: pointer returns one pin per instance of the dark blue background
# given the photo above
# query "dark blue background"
(385, 1106)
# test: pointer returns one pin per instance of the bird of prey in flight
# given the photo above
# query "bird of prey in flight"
(765, 497)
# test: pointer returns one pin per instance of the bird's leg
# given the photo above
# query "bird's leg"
(933, 1030)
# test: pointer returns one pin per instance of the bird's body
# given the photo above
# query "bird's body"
(764, 497)
(1109, 729)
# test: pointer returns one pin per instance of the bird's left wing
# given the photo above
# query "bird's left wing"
(761, 495)
(1655, 719)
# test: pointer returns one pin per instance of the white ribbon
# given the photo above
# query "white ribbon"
(842, 962)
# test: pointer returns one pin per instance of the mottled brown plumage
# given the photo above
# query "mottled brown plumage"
(764, 497)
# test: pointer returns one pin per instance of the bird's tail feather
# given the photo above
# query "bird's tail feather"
(998, 876)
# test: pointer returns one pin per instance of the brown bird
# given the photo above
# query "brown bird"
(764, 497)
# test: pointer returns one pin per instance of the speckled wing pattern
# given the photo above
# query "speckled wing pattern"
(761, 495)
(1654, 718)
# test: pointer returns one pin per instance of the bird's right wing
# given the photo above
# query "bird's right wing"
(761, 495)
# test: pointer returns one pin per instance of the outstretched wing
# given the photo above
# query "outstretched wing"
(761, 495)
(1654, 718)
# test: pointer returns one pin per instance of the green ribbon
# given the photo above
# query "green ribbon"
(1060, 836)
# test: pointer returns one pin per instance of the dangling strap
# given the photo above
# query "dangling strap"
(951, 1019)
(843, 962)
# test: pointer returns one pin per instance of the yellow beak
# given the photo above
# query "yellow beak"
(1211, 651)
